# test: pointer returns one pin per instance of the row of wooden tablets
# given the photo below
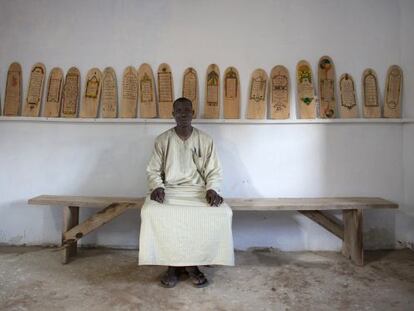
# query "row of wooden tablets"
(266, 99)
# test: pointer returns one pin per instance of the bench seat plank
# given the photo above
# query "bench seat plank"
(248, 204)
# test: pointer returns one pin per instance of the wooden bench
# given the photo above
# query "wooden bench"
(349, 230)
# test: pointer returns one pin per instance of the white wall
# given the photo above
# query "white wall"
(259, 160)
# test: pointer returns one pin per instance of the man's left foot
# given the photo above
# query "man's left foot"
(198, 278)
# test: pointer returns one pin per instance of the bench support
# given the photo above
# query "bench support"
(70, 220)
(73, 231)
(352, 247)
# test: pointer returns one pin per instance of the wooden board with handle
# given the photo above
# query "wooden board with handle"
(13, 93)
(35, 88)
(165, 91)
(146, 90)
(109, 105)
(129, 95)
(92, 94)
(53, 93)
(347, 95)
(279, 90)
(212, 93)
(256, 106)
(190, 88)
(393, 91)
(231, 94)
(71, 94)
(370, 94)
(306, 98)
(326, 85)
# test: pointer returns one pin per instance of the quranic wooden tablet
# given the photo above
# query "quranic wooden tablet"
(279, 106)
(348, 99)
(212, 93)
(146, 90)
(393, 90)
(92, 94)
(35, 91)
(109, 96)
(70, 94)
(13, 93)
(306, 98)
(256, 106)
(53, 93)
(327, 84)
(370, 94)
(165, 91)
(129, 95)
(190, 88)
(231, 94)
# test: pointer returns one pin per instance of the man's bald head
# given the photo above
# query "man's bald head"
(182, 101)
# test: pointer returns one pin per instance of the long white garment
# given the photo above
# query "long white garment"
(185, 230)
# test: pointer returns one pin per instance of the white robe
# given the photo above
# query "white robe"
(184, 230)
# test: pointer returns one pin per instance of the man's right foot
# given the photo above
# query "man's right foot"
(170, 278)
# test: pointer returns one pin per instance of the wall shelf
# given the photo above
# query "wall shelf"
(209, 121)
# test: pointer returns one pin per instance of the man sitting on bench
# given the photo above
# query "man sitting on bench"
(184, 221)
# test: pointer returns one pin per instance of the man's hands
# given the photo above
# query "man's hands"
(158, 195)
(213, 198)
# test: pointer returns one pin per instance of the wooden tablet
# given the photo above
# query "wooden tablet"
(370, 94)
(231, 94)
(146, 90)
(212, 95)
(190, 88)
(13, 96)
(92, 94)
(305, 92)
(35, 91)
(129, 95)
(71, 94)
(53, 93)
(109, 105)
(165, 91)
(348, 100)
(279, 107)
(256, 106)
(393, 90)
(327, 84)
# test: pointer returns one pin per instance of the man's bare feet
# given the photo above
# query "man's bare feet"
(170, 278)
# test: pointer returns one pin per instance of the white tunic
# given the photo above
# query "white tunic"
(184, 230)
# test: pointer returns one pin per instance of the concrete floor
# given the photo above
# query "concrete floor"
(32, 278)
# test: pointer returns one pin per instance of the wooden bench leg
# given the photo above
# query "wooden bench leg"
(352, 247)
(70, 220)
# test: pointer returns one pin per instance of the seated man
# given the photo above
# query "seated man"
(184, 222)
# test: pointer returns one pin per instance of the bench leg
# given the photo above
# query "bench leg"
(70, 220)
(352, 246)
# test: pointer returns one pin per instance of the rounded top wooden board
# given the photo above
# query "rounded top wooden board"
(146, 90)
(306, 98)
(190, 88)
(370, 94)
(231, 93)
(53, 93)
(256, 106)
(109, 105)
(71, 94)
(327, 87)
(129, 95)
(92, 94)
(13, 92)
(279, 90)
(393, 91)
(165, 91)
(347, 95)
(212, 93)
(34, 93)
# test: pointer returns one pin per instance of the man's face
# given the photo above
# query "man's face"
(183, 113)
